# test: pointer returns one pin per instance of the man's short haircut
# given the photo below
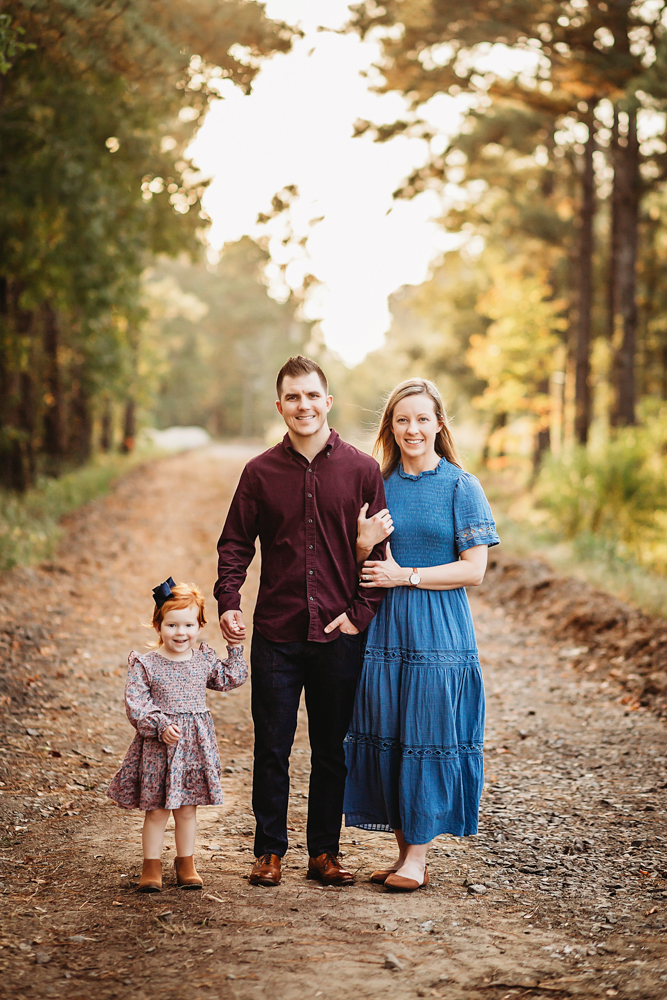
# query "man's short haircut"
(294, 367)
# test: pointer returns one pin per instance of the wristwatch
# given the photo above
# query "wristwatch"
(415, 579)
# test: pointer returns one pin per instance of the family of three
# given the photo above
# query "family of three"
(362, 606)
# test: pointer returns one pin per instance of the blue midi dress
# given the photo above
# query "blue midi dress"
(414, 747)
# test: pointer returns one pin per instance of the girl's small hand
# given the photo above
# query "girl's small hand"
(384, 574)
(171, 735)
(371, 530)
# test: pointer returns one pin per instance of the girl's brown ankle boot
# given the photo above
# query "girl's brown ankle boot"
(186, 873)
(151, 875)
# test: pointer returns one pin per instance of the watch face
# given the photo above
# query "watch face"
(415, 579)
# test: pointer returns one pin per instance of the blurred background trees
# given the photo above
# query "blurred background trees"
(98, 102)
(546, 329)
(560, 166)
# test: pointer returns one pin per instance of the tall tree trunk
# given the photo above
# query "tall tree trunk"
(80, 443)
(612, 269)
(27, 414)
(6, 443)
(582, 391)
(627, 184)
(53, 412)
(129, 426)
(17, 391)
(542, 439)
(499, 421)
(106, 426)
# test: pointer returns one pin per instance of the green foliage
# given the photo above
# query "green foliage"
(518, 351)
(97, 108)
(221, 339)
(615, 496)
(11, 45)
(518, 158)
(29, 523)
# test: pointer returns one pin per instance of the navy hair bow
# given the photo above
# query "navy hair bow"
(163, 592)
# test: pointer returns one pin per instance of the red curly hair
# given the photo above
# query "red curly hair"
(183, 595)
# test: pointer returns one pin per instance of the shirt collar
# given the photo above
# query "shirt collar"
(332, 443)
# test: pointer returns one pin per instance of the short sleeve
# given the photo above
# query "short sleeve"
(473, 520)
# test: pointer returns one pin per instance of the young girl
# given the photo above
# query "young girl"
(173, 761)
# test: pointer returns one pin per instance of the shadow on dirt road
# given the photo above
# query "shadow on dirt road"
(562, 893)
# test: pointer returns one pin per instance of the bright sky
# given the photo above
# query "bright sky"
(296, 128)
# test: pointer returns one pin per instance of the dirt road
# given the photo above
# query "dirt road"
(562, 893)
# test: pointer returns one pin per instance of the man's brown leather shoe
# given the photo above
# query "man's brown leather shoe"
(327, 869)
(266, 870)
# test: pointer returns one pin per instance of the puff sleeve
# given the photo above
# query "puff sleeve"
(225, 675)
(141, 710)
(473, 520)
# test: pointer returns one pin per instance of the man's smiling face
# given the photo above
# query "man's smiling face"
(304, 404)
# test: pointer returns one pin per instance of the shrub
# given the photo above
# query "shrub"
(615, 495)
(29, 522)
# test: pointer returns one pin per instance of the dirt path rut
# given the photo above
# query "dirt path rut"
(562, 893)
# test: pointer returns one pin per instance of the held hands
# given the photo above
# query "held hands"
(371, 530)
(232, 627)
(171, 735)
(384, 574)
(344, 624)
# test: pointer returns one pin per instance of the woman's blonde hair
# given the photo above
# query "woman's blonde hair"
(385, 448)
(183, 595)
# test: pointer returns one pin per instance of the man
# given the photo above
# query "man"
(302, 498)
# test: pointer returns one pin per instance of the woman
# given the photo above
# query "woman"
(414, 749)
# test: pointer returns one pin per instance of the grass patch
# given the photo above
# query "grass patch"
(586, 557)
(30, 522)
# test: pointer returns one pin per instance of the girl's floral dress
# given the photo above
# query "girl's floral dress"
(159, 693)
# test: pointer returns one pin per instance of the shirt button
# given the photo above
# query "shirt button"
(310, 570)
(310, 520)
(310, 598)
(310, 494)
(310, 470)
(310, 546)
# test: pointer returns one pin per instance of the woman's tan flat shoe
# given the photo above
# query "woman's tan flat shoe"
(399, 884)
(151, 875)
(186, 873)
(381, 875)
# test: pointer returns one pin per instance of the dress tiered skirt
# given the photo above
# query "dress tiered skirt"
(414, 750)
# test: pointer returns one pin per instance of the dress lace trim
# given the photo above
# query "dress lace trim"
(421, 752)
(481, 533)
(423, 655)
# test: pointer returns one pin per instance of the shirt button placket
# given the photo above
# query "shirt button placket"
(311, 579)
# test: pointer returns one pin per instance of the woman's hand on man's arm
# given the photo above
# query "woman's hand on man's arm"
(371, 531)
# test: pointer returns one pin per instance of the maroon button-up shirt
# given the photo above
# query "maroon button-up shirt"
(305, 514)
